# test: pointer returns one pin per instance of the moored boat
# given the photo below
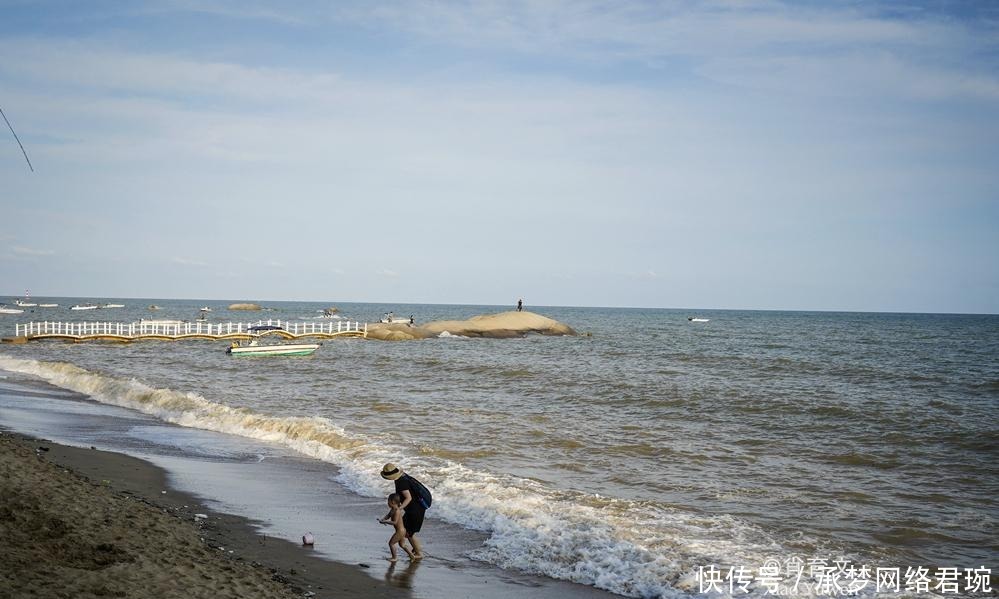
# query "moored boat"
(8, 310)
(84, 307)
(26, 302)
(104, 306)
(281, 349)
(48, 305)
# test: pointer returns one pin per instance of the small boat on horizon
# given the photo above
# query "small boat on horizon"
(105, 306)
(391, 318)
(26, 302)
(4, 309)
(695, 319)
(48, 305)
(205, 309)
(84, 307)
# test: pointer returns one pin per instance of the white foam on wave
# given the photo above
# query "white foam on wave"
(637, 549)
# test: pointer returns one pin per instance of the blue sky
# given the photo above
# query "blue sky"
(750, 154)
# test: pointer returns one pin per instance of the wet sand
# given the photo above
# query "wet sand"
(87, 523)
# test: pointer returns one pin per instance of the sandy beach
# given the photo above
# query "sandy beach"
(86, 523)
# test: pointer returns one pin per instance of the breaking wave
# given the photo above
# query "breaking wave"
(633, 548)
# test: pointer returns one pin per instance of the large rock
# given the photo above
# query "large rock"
(244, 307)
(496, 326)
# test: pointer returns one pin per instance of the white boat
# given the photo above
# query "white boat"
(390, 318)
(5, 310)
(84, 307)
(280, 349)
(111, 306)
(205, 309)
(26, 302)
(692, 319)
(48, 305)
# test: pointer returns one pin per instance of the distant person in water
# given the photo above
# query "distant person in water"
(413, 509)
(520, 305)
(394, 517)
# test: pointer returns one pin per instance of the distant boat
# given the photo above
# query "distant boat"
(692, 319)
(281, 349)
(391, 318)
(48, 305)
(111, 306)
(84, 307)
(154, 307)
(5, 310)
(26, 302)
(205, 309)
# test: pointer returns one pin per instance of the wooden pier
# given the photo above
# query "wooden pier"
(177, 330)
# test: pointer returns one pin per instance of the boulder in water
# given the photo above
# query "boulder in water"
(504, 325)
(244, 307)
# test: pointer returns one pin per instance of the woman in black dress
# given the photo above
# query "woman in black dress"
(413, 509)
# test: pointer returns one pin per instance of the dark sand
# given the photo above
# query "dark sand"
(80, 523)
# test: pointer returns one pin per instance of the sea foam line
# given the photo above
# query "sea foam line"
(636, 549)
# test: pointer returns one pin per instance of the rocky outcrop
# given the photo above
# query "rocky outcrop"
(495, 326)
(244, 307)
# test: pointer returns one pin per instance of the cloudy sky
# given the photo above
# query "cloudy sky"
(745, 154)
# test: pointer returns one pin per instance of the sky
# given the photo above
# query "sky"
(745, 154)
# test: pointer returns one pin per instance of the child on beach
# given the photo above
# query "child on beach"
(394, 517)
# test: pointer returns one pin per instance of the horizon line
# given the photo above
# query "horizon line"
(513, 304)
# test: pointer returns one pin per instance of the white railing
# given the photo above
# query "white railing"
(177, 329)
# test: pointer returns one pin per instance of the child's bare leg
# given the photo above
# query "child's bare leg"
(396, 540)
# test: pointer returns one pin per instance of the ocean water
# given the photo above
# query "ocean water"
(628, 458)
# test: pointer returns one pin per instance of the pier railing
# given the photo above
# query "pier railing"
(179, 329)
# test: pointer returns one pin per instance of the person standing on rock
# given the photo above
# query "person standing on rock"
(520, 305)
(412, 506)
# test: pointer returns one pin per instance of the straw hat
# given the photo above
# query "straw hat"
(391, 471)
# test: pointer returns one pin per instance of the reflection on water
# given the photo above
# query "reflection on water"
(401, 573)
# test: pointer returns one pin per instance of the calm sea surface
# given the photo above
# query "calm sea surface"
(625, 459)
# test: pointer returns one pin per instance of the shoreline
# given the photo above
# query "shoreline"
(81, 521)
(263, 498)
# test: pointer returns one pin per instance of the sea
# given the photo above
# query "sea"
(648, 456)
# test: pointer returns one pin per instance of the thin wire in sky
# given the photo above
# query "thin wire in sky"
(17, 139)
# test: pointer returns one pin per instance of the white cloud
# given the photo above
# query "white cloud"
(188, 262)
(27, 251)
